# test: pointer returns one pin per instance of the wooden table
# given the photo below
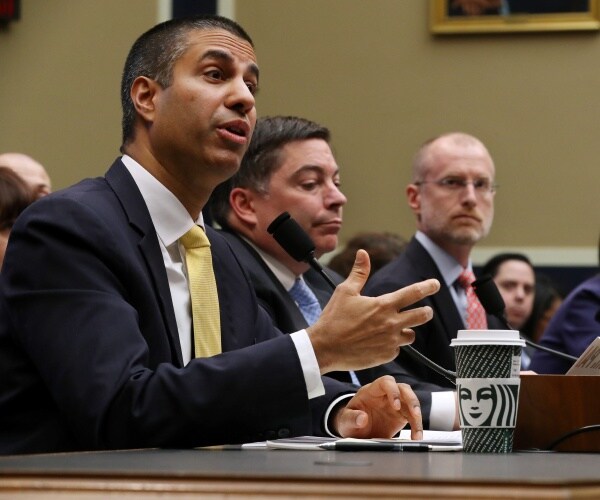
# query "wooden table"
(220, 473)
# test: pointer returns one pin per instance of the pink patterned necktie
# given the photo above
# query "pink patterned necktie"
(476, 319)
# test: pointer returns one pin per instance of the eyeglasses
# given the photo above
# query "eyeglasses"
(456, 184)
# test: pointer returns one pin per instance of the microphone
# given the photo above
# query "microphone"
(488, 294)
(297, 243)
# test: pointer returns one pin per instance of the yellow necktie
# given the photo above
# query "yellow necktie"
(203, 291)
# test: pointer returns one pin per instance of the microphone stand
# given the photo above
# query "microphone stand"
(294, 240)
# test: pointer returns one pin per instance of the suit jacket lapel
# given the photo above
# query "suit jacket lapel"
(229, 338)
(444, 304)
(319, 286)
(139, 218)
(271, 293)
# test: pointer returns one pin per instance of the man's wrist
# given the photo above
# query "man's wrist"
(336, 405)
(309, 364)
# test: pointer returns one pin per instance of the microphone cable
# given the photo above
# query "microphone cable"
(570, 434)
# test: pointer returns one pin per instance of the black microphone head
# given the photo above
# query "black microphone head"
(489, 296)
(293, 239)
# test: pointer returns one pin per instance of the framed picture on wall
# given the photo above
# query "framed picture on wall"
(449, 17)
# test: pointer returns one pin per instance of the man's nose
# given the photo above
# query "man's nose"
(335, 197)
(240, 96)
(468, 194)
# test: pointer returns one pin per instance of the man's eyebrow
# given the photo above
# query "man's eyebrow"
(320, 168)
(228, 58)
(309, 167)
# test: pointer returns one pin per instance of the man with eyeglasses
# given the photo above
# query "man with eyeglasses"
(452, 196)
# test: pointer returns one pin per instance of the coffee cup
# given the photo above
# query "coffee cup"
(488, 363)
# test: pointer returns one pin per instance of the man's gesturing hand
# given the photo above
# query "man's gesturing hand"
(356, 332)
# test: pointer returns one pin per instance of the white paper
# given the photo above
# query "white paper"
(589, 362)
(435, 437)
(440, 441)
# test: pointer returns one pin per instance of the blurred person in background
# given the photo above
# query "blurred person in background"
(546, 301)
(30, 170)
(14, 198)
(514, 276)
(382, 248)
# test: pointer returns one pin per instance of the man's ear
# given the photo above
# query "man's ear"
(241, 201)
(143, 93)
(413, 196)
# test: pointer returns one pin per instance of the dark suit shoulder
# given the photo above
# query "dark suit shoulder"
(413, 265)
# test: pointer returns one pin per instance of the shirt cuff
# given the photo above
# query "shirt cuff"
(333, 404)
(443, 411)
(310, 366)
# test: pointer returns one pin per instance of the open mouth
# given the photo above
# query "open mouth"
(236, 131)
(237, 127)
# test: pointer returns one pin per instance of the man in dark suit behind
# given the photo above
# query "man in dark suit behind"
(95, 309)
(289, 166)
(452, 196)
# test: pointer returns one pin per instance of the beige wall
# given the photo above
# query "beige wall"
(60, 70)
(372, 72)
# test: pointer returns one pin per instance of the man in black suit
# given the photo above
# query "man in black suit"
(95, 309)
(289, 166)
(452, 197)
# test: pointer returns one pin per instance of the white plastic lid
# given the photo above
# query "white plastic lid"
(488, 337)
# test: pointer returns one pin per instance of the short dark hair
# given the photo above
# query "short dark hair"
(263, 158)
(546, 292)
(15, 196)
(155, 53)
(490, 268)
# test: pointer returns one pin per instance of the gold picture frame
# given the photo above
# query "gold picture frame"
(448, 17)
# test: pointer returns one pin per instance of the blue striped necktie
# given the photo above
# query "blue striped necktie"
(306, 300)
(311, 309)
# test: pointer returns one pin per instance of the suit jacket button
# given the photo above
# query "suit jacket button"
(283, 433)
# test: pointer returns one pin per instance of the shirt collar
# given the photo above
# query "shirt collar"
(281, 272)
(449, 267)
(170, 218)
